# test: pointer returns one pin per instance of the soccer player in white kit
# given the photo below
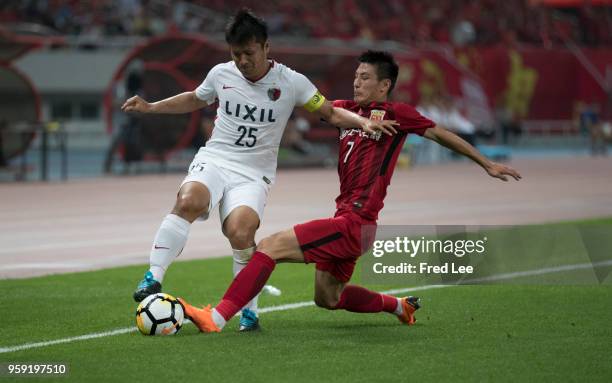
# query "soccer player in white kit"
(237, 167)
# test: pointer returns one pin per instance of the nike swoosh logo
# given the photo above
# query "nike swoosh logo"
(228, 87)
(161, 247)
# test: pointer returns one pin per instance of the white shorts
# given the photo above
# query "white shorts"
(228, 188)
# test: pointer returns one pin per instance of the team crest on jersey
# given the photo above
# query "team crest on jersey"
(377, 115)
(274, 93)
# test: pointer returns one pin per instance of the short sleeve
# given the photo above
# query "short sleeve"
(344, 104)
(410, 120)
(206, 91)
(304, 89)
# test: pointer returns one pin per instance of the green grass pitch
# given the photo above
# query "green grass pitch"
(465, 333)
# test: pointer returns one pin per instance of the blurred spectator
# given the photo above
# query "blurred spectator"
(463, 33)
(128, 130)
(3, 161)
(293, 136)
(459, 22)
(590, 123)
(204, 134)
(508, 122)
(445, 113)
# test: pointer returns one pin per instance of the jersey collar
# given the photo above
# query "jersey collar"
(271, 62)
(377, 104)
(373, 105)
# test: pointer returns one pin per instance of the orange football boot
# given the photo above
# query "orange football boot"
(409, 306)
(202, 318)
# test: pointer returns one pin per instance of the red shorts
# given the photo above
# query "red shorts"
(334, 244)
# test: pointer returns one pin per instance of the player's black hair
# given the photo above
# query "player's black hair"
(386, 67)
(244, 27)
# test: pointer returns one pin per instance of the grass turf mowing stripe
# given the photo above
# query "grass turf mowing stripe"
(125, 330)
(291, 306)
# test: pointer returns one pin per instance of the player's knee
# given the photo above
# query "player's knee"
(240, 236)
(266, 245)
(190, 205)
(269, 245)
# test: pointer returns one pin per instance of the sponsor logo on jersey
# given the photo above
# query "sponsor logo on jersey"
(274, 93)
(376, 136)
(250, 112)
(228, 87)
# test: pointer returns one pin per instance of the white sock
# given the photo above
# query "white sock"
(218, 319)
(168, 244)
(399, 310)
(241, 258)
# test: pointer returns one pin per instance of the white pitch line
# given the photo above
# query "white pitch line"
(291, 306)
(27, 346)
(126, 330)
(546, 270)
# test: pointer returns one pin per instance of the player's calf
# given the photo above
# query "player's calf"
(249, 320)
(240, 227)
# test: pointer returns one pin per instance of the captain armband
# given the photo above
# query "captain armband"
(315, 102)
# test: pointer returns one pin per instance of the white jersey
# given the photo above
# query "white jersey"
(251, 116)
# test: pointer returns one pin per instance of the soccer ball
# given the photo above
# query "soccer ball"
(159, 314)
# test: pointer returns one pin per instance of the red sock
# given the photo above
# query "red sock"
(360, 300)
(246, 285)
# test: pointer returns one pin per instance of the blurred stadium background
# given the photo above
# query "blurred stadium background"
(526, 81)
(520, 79)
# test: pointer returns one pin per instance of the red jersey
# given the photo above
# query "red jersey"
(366, 162)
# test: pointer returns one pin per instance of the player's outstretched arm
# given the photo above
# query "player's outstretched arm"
(186, 102)
(459, 145)
(346, 119)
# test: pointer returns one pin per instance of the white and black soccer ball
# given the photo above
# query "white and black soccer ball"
(159, 314)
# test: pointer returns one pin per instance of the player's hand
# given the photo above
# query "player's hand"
(385, 126)
(502, 171)
(136, 104)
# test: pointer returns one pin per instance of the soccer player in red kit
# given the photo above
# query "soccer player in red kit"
(365, 166)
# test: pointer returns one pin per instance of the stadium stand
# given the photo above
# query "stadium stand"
(443, 21)
(489, 59)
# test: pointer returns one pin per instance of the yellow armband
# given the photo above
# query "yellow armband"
(315, 102)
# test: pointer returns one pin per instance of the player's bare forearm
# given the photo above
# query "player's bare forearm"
(186, 102)
(456, 144)
(459, 145)
(345, 119)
